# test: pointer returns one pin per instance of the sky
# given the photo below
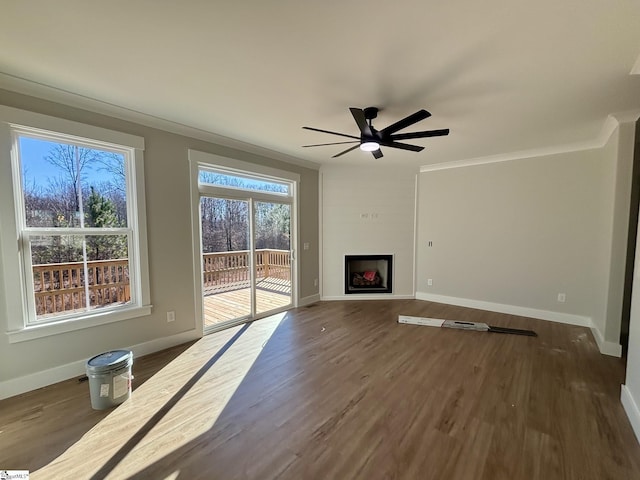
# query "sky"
(35, 167)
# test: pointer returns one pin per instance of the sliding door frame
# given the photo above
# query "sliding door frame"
(201, 160)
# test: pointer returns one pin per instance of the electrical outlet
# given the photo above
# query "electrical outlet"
(562, 297)
(305, 246)
(430, 282)
(171, 317)
(315, 282)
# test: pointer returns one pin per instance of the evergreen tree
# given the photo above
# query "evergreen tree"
(102, 214)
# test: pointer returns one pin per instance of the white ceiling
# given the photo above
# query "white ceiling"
(504, 75)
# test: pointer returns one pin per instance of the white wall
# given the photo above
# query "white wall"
(350, 192)
(510, 236)
(516, 233)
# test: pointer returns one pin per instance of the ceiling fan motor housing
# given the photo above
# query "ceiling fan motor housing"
(370, 113)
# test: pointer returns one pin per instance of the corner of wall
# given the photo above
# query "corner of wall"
(631, 409)
(613, 349)
(621, 144)
(304, 301)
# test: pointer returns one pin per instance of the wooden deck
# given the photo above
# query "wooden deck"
(271, 293)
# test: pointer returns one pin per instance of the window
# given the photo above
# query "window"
(218, 177)
(79, 223)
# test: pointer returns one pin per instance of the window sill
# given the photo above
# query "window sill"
(38, 331)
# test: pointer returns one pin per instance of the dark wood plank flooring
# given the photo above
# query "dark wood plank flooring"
(340, 390)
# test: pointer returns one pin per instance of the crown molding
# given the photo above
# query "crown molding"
(609, 126)
(507, 157)
(628, 116)
(45, 92)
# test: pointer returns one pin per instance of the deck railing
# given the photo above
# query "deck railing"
(226, 270)
(60, 287)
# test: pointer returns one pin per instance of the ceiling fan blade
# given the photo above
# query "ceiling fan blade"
(377, 153)
(403, 146)
(405, 122)
(346, 151)
(333, 143)
(428, 133)
(361, 120)
(332, 133)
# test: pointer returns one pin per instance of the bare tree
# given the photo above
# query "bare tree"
(115, 187)
(114, 165)
(72, 160)
(61, 202)
(224, 222)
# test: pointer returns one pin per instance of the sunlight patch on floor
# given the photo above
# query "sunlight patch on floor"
(200, 408)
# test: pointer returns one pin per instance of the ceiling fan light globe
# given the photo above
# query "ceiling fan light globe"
(369, 146)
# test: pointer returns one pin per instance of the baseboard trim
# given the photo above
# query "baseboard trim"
(607, 348)
(368, 296)
(631, 408)
(33, 381)
(304, 301)
(510, 309)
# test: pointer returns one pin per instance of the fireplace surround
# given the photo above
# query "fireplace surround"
(368, 274)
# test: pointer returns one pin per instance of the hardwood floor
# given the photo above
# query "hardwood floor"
(340, 390)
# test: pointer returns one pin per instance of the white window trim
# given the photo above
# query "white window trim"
(218, 163)
(12, 276)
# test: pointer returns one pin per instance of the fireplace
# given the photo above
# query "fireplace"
(368, 274)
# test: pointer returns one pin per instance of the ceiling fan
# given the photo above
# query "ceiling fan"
(370, 139)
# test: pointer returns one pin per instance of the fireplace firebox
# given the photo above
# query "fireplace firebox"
(368, 274)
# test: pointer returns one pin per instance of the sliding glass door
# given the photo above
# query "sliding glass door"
(246, 245)
(226, 277)
(272, 240)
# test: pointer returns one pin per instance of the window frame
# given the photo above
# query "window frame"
(22, 323)
(244, 175)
